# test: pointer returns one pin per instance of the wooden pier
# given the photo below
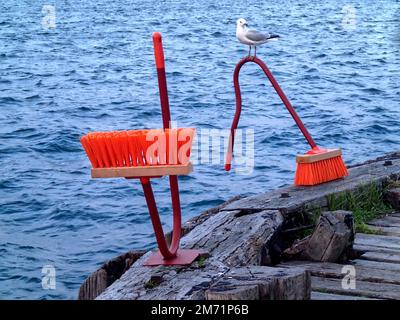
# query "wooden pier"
(376, 270)
(244, 238)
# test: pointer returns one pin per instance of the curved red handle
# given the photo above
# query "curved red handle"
(167, 252)
(238, 96)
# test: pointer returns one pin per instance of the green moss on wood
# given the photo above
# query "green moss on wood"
(201, 262)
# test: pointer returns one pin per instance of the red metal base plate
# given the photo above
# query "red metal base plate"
(183, 257)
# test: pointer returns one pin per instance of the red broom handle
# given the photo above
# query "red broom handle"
(162, 79)
(167, 252)
(238, 96)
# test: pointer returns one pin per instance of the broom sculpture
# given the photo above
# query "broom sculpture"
(317, 165)
(145, 154)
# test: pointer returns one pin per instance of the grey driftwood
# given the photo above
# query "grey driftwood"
(331, 241)
(241, 235)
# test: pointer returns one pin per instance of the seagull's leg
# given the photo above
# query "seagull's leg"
(249, 50)
(255, 51)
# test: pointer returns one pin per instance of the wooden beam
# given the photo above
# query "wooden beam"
(335, 270)
(142, 171)
(315, 295)
(363, 288)
(310, 158)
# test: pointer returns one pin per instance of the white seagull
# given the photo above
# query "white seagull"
(252, 37)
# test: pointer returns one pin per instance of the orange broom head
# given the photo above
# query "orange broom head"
(319, 166)
(139, 147)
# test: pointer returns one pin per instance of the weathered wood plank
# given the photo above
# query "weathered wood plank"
(331, 240)
(315, 295)
(334, 270)
(197, 220)
(386, 231)
(232, 240)
(242, 233)
(332, 237)
(110, 271)
(94, 285)
(301, 198)
(363, 288)
(262, 283)
(369, 248)
(387, 221)
(235, 239)
(379, 265)
(389, 257)
(389, 242)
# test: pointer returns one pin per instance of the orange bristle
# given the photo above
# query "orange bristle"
(308, 174)
(92, 140)
(88, 148)
(131, 148)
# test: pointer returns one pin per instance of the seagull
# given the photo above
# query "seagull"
(252, 37)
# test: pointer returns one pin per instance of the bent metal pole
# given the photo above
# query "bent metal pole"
(167, 252)
(238, 97)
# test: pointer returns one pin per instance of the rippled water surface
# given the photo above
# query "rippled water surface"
(95, 71)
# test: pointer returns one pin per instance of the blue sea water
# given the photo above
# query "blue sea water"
(95, 71)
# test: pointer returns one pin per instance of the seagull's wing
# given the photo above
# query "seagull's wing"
(254, 35)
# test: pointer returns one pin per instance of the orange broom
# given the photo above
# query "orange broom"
(318, 165)
(146, 154)
(138, 153)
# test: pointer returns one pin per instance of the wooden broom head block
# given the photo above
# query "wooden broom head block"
(143, 171)
(310, 158)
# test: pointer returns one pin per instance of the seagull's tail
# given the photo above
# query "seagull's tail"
(273, 37)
